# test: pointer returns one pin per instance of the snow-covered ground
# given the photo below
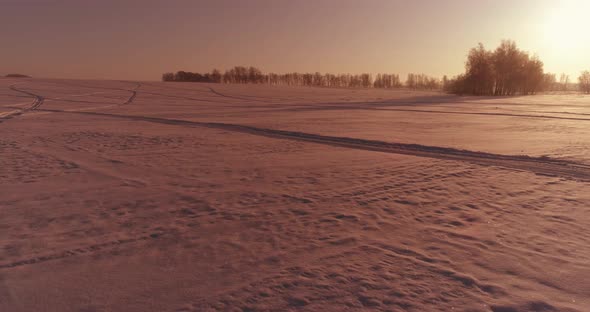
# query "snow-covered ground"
(125, 196)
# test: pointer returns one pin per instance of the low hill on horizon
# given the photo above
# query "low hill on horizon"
(17, 76)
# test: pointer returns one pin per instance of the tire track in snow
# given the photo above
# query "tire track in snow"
(79, 251)
(133, 94)
(19, 111)
(539, 165)
(39, 100)
(243, 98)
(481, 113)
(182, 97)
(380, 107)
(386, 107)
(250, 98)
(129, 100)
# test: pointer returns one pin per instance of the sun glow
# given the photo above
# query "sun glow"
(565, 27)
(560, 36)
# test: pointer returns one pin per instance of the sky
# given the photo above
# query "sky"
(141, 39)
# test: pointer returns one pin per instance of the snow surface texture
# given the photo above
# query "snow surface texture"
(148, 196)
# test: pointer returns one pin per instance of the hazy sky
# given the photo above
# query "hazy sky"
(119, 39)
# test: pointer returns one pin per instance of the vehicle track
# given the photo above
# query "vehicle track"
(133, 94)
(79, 251)
(306, 108)
(182, 97)
(481, 113)
(243, 98)
(36, 103)
(538, 165)
(211, 90)
(523, 111)
(255, 97)
(167, 86)
(19, 111)
(129, 100)
(39, 100)
(386, 107)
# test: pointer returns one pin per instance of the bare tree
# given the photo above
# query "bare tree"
(479, 71)
(366, 80)
(215, 76)
(584, 81)
(532, 76)
(564, 81)
(549, 82)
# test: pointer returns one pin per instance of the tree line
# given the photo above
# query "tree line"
(252, 75)
(505, 71)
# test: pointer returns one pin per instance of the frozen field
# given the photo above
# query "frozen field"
(124, 196)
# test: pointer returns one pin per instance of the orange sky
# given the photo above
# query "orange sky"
(136, 39)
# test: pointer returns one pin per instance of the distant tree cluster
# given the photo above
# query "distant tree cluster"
(550, 82)
(252, 75)
(422, 82)
(505, 71)
(214, 77)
